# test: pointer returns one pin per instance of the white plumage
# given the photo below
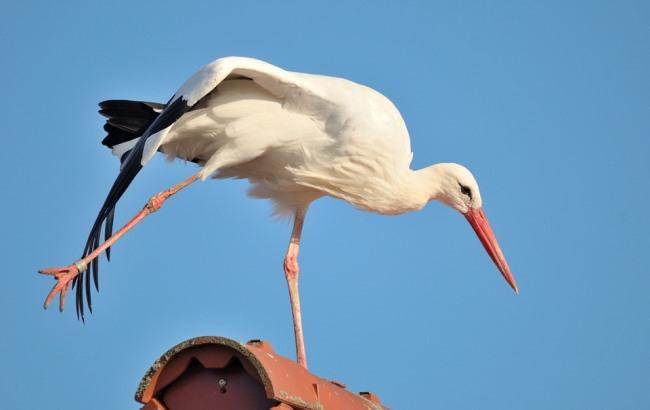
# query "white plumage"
(296, 137)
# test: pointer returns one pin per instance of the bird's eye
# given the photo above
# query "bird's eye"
(465, 190)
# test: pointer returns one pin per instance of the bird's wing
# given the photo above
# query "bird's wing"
(285, 85)
(275, 80)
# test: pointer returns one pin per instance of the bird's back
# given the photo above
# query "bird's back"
(296, 148)
(360, 115)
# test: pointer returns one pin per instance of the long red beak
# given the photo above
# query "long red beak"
(476, 217)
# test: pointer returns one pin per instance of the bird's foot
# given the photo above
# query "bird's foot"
(63, 278)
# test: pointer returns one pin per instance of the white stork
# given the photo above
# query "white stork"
(296, 137)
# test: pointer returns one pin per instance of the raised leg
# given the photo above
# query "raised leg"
(291, 272)
(65, 275)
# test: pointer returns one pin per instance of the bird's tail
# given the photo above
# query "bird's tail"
(126, 121)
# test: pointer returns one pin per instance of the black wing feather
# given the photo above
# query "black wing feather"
(131, 166)
(108, 224)
(130, 125)
(127, 120)
(108, 232)
(79, 302)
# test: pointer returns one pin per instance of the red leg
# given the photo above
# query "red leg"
(291, 272)
(65, 275)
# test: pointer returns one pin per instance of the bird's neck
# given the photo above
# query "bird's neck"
(428, 182)
(406, 191)
(412, 191)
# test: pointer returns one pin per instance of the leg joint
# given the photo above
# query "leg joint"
(291, 268)
(155, 203)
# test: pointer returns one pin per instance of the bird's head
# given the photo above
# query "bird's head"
(457, 188)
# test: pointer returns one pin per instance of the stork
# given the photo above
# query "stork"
(296, 137)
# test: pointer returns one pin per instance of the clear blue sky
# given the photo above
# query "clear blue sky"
(547, 102)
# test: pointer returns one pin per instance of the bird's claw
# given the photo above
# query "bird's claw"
(63, 278)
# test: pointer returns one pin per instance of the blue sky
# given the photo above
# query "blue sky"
(546, 102)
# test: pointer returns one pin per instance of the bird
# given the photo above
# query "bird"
(295, 137)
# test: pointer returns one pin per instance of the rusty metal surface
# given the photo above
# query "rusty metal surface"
(193, 366)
